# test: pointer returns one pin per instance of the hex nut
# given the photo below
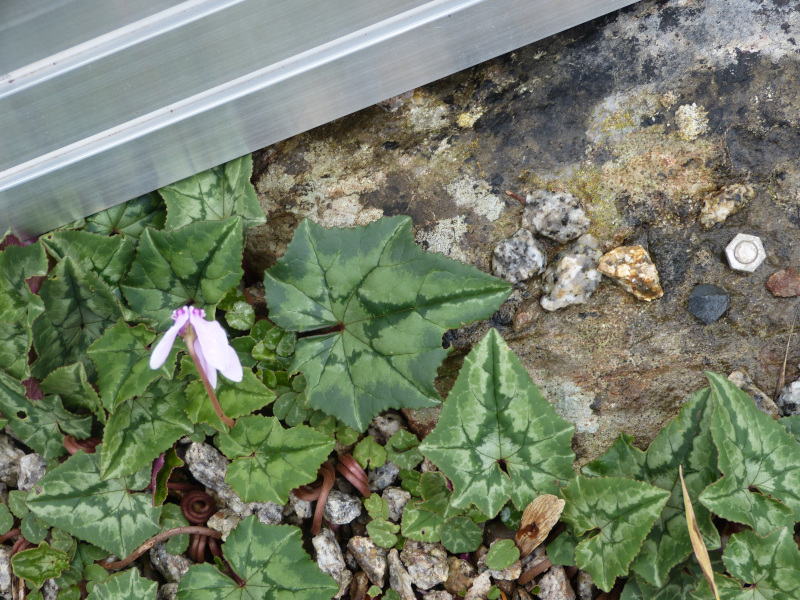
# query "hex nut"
(745, 252)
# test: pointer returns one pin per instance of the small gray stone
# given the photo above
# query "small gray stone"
(460, 575)
(32, 468)
(385, 426)
(50, 590)
(708, 302)
(719, 205)
(5, 572)
(399, 579)
(171, 566)
(341, 508)
(519, 257)
(573, 277)
(168, 591)
(10, 456)
(383, 477)
(558, 216)
(520, 593)
(789, 399)
(269, 513)
(438, 595)
(370, 558)
(426, 563)
(396, 498)
(207, 465)
(554, 585)
(224, 521)
(302, 508)
(331, 560)
(480, 587)
(585, 586)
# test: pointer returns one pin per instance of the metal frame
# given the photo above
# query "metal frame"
(121, 107)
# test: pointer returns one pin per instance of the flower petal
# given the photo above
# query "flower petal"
(162, 348)
(233, 367)
(209, 370)
(216, 349)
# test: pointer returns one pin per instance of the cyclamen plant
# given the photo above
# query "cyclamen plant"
(208, 346)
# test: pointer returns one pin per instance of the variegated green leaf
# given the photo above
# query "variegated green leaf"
(755, 453)
(236, 399)
(108, 257)
(502, 555)
(122, 356)
(77, 393)
(271, 561)
(171, 517)
(461, 534)
(792, 425)
(129, 218)
(143, 427)
(74, 498)
(685, 441)
(18, 263)
(128, 585)
(389, 303)
(618, 514)
(369, 453)
(402, 449)
(383, 532)
(497, 437)
(196, 264)
(17, 339)
(213, 195)
(270, 461)
(38, 564)
(39, 423)
(171, 462)
(79, 307)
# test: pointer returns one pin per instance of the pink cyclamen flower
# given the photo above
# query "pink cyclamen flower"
(211, 345)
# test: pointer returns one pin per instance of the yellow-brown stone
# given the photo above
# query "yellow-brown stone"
(632, 269)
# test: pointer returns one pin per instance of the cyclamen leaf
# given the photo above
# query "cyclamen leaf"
(171, 517)
(241, 316)
(383, 532)
(128, 585)
(271, 561)
(497, 437)
(17, 339)
(754, 452)
(236, 399)
(33, 529)
(369, 453)
(461, 534)
(623, 511)
(108, 257)
(7, 519)
(171, 462)
(18, 263)
(685, 441)
(38, 564)
(79, 307)
(141, 428)
(270, 461)
(196, 264)
(502, 555)
(391, 302)
(37, 422)
(122, 357)
(420, 524)
(377, 507)
(77, 393)
(402, 450)
(792, 425)
(213, 195)
(74, 498)
(129, 218)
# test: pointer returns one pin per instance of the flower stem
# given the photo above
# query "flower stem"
(189, 338)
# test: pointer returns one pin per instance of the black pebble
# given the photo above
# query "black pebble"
(708, 302)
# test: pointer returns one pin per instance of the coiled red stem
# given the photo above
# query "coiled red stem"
(318, 491)
(88, 445)
(352, 471)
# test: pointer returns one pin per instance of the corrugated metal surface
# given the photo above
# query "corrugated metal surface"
(105, 100)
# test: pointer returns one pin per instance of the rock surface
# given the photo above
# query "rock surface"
(590, 112)
(331, 560)
(171, 566)
(573, 276)
(789, 399)
(341, 508)
(370, 558)
(633, 270)
(554, 585)
(399, 579)
(518, 258)
(785, 283)
(32, 468)
(168, 591)
(396, 498)
(708, 302)
(720, 205)
(558, 216)
(426, 563)
(383, 476)
(10, 456)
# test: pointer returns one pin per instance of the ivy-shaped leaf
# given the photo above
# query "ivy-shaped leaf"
(141, 428)
(502, 555)
(129, 218)
(17, 264)
(236, 399)
(7, 519)
(383, 532)
(618, 514)
(74, 498)
(122, 356)
(497, 437)
(685, 441)
(39, 423)
(270, 461)
(128, 585)
(213, 195)
(171, 462)
(377, 507)
(77, 393)
(423, 520)
(17, 339)
(38, 564)
(792, 425)
(271, 561)
(461, 534)
(755, 452)
(388, 301)
(108, 257)
(369, 453)
(402, 450)
(33, 529)
(79, 307)
(196, 264)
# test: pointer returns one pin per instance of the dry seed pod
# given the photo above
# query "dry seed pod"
(538, 519)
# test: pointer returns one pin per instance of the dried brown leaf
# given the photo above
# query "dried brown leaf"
(539, 518)
(699, 546)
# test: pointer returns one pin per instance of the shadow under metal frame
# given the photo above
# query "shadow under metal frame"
(104, 100)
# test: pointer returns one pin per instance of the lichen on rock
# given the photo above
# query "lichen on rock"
(720, 205)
